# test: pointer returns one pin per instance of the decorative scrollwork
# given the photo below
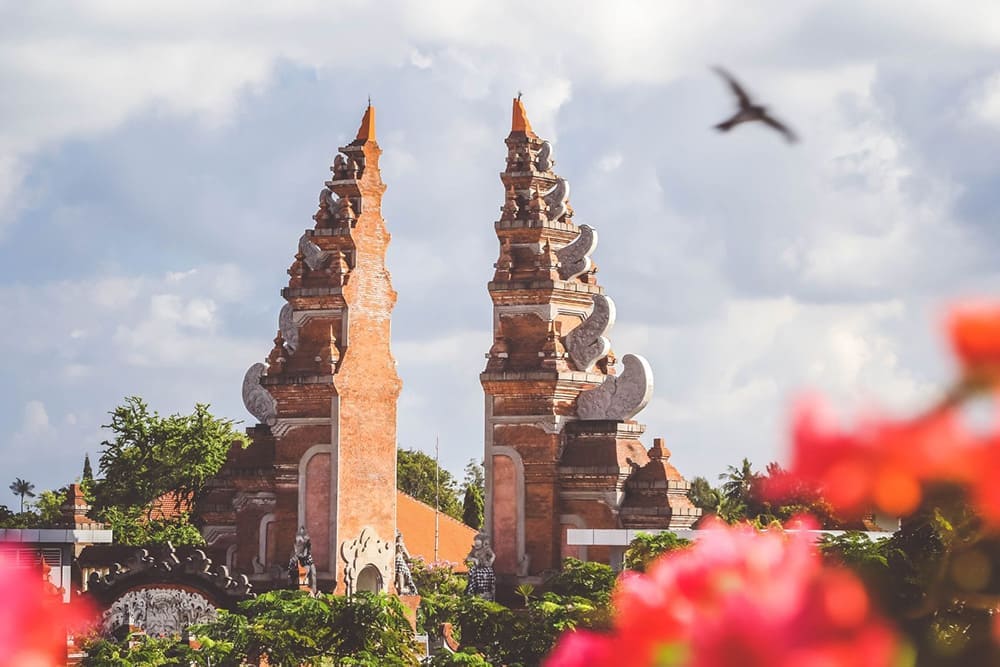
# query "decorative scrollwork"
(587, 342)
(619, 398)
(574, 257)
(258, 401)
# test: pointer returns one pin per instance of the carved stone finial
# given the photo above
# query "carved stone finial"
(345, 211)
(574, 257)
(276, 359)
(314, 256)
(557, 200)
(258, 401)
(619, 398)
(504, 262)
(587, 342)
(658, 451)
(548, 262)
(332, 353)
(510, 207)
(537, 208)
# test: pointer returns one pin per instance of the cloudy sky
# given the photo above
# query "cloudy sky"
(159, 161)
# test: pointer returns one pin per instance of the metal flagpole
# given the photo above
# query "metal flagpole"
(437, 495)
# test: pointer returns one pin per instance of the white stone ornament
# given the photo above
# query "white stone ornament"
(619, 398)
(161, 612)
(289, 330)
(557, 200)
(544, 159)
(364, 551)
(574, 257)
(314, 256)
(587, 342)
(258, 401)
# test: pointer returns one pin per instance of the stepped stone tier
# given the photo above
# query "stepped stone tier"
(561, 445)
(323, 455)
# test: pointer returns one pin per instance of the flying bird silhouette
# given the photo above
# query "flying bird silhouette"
(749, 111)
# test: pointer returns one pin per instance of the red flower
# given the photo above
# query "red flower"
(738, 597)
(975, 336)
(880, 463)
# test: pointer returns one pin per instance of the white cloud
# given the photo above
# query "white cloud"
(35, 425)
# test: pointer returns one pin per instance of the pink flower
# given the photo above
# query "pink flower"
(33, 618)
(738, 597)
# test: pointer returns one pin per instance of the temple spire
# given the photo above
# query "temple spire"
(366, 132)
(519, 119)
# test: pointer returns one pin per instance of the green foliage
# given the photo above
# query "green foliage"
(525, 591)
(473, 507)
(88, 471)
(22, 487)
(130, 526)
(151, 456)
(417, 475)
(430, 578)
(146, 652)
(42, 513)
(704, 496)
(509, 637)
(464, 658)
(294, 628)
(646, 547)
(589, 580)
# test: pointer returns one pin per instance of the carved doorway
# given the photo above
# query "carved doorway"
(369, 579)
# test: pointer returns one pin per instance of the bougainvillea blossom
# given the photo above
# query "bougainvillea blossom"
(738, 596)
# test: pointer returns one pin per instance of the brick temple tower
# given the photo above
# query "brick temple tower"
(324, 453)
(560, 442)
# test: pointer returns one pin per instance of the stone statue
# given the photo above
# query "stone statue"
(482, 580)
(301, 568)
(404, 579)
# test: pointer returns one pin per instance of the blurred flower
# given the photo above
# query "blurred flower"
(738, 597)
(33, 618)
(879, 464)
(975, 337)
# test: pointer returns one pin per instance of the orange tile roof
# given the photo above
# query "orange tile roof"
(416, 521)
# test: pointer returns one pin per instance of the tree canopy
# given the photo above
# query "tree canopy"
(150, 456)
(416, 474)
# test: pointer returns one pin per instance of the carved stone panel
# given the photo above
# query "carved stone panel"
(366, 550)
(557, 200)
(161, 612)
(587, 342)
(619, 398)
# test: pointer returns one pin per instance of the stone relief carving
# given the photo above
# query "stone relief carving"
(619, 398)
(366, 549)
(161, 612)
(344, 167)
(587, 342)
(314, 256)
(574, 257)
(557, 200)
(289, 329)
(544, 160)
(258, 401)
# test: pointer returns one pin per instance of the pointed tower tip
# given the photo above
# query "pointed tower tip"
(367, 130)
(519, 119)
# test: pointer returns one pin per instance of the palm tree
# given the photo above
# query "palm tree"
(739, 482)
(21, 487)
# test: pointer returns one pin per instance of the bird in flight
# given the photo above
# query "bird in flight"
(749, 111)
